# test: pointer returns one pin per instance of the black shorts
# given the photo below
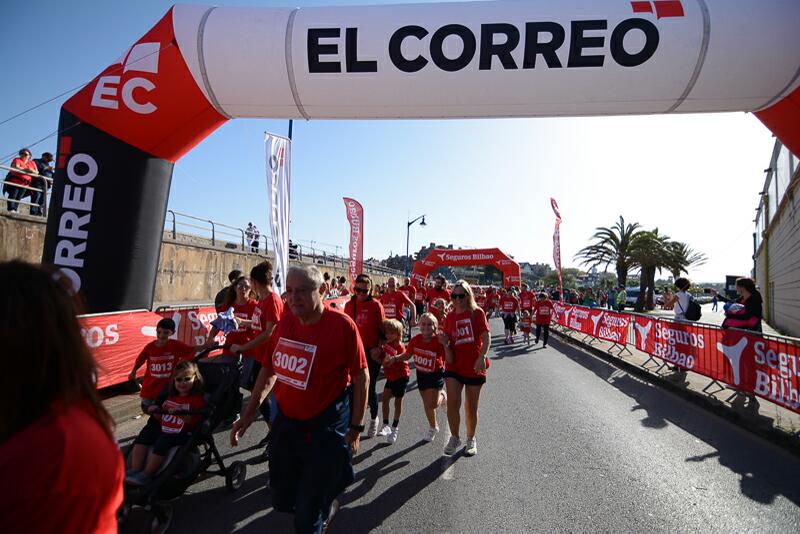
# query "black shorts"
(434, 380)
(420, 306)
(509, 321)
(466, 380)
(397, 387)
(151, 435)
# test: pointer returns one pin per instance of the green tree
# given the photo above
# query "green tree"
(650, 252)
(682, 258)
(611, 247)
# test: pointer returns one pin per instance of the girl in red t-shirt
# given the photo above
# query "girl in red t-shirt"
(428, 354)
(185, 395)
(526, 321)
(396, 372)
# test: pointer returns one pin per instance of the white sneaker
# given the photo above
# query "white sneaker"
(431, 435)
(373, 427)
(452, 445)
(472, 447)
(385, 431)
(391, 437)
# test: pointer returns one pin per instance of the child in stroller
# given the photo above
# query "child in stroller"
(178, 458)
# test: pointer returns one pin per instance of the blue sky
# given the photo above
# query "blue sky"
(480, 182)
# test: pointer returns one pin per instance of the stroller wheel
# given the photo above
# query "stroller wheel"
(236, 473)
(162, 517)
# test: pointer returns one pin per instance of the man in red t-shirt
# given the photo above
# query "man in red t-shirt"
(438, 291)
(526, 298)
(394, 306)
(419, 299)
(543, 314)
(161, 357)
(408, 289)
(316, 364)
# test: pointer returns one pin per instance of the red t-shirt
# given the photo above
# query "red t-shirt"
(393, 304)
(440, 315)
(543, 310)
(526, 323)
(480, 300)
(160, 362)
(313, 363)
(18, 177)
(243, 334)
(493, 300)
(526, 300)
(368, 316)
(409, 291)
(397, 370)
(270, 309)
(434, 294)
(421, 295)
(174, 424)
(508, 304)
(428, 355)
(62, 473)
(464, 330)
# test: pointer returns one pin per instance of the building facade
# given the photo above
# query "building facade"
(776, 242)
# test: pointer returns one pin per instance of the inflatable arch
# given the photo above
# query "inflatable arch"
(200, 66)
(439, 257)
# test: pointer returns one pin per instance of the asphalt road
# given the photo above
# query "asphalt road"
(566, 442)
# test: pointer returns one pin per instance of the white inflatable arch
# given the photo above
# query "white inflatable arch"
(200, 66)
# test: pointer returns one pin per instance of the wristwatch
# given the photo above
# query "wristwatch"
(357, 428)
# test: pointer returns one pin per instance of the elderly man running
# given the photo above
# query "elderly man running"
(317, 366)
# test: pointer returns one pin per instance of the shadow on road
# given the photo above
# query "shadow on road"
(762, 478)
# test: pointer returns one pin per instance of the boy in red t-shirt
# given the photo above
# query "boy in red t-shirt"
(543, 313)
(161, 356)
(397, 373)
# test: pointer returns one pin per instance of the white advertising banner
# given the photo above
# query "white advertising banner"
(279, 150)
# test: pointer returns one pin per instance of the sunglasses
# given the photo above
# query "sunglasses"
(184, 378)
(458, 295)
(361, 290)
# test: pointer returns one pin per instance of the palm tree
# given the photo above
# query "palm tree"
(611, 246)
(651, 252)
(682, 257)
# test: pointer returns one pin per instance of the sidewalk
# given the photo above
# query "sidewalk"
(768, 419)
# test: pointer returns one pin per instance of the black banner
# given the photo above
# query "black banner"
(106, 217)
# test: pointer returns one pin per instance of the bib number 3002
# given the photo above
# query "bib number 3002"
(292, 362)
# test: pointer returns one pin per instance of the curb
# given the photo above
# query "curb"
(753, 423)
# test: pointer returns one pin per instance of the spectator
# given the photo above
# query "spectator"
(326, 284)
(14, 179)
(256, 239)
(38, 198)
(747, 310)
(343, 291)
(622, 298)
(682, 298)
(60, 467)
(220, 298)
(612, 298)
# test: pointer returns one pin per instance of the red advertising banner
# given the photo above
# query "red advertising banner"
(355, 216)
(768, 367)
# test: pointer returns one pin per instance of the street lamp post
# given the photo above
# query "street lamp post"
(408, 231)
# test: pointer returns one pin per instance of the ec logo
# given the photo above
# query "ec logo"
(142, 58)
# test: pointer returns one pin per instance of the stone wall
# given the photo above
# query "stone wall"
(190, 269)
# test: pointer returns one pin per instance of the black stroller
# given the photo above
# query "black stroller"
(186, 463)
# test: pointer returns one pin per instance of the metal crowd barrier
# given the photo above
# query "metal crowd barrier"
(43, 189)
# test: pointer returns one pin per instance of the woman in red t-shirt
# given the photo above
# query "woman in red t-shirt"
(466, 340)
(543, 314)
(60, 468)
(25, 164)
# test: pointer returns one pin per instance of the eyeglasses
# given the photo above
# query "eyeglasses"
(458, 295)
(184, 378)
(242, 287)
(362, 290)
(27, 154)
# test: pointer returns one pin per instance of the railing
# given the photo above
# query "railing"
(27, 191)
(212, 227)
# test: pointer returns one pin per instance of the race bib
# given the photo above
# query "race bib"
(390, 310)
(161, 366)
(508, 306)
(464, 332)
(526, 303)
(172, 424)
(362, 317)
(424, 360)
(292, 362)
(544, 312)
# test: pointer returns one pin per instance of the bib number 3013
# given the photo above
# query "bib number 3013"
(292, 362)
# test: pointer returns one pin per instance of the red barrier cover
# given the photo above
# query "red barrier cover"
(595, 322)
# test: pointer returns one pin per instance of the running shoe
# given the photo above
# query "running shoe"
(332, 511)
(391, 437)
(452, 445)
(373, 427)
(472, 447)
(385, 431)
(431, 434)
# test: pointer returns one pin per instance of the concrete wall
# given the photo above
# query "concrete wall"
(190, 269)
(778, 265)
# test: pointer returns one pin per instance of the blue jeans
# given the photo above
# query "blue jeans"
(14, 193)
(310, 464)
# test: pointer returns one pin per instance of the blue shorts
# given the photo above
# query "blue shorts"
(434, 380)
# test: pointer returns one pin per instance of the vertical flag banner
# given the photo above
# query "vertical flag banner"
(557, 246)
(355, 216)
(279, 151)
